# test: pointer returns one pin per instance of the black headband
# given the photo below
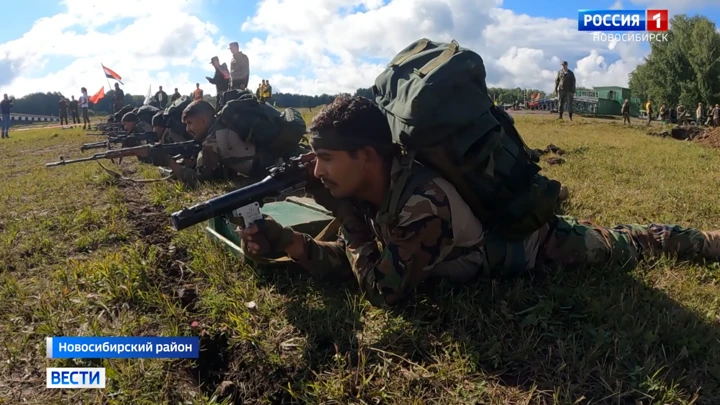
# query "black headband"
(331, 140)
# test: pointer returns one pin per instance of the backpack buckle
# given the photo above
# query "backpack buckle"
(407, 160)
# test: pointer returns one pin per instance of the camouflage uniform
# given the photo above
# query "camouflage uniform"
(438, 236)
(223, 155)
(565, 88)
(140, 128)
(118, 100)
(170, 136)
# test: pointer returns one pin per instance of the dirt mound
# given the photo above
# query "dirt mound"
(705, 136)
(681, 133)
(711, 137)
(549, 149)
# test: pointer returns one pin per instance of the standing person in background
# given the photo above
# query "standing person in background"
(74, 111)
(161, 98)
(175, 96)
(267, 92)
(262, 91)
(682, 115)
(5, 106)
(63, 110)
(258, 92)
(716, 115)
(565, 89)
(118, 98)
(664, 114)
(625, 111)
(648, 108)
(198, 93)
(699, 115)
(85, 104)
(221, 80)
(239, 68)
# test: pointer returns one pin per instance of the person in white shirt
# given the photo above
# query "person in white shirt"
(84, 101)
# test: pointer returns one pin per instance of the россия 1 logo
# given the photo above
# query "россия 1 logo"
(637, 25)
(623, 20)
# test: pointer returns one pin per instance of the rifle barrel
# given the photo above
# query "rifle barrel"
(271, 185)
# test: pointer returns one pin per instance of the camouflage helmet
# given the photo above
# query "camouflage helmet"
(130, 117)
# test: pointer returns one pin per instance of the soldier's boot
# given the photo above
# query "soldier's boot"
(560, 116)
(570, 115)
(711, 247)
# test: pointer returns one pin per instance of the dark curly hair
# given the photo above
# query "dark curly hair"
(354, 117)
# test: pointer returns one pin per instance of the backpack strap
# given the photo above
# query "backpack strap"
(402, 57)
(444, 56)
(411, 177)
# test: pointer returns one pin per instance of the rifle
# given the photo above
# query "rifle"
(282, 180)
(154, 151)
(108, 127)
(149, 137)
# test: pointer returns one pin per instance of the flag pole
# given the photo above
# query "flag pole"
(106, 78)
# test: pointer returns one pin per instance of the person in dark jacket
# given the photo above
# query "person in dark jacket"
(160, 98)
(625, 110)
(221, 79)
(74, 110)
(565, 89)
(5, 106)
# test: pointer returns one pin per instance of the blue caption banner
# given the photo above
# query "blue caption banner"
(117, 347)
(611, 20)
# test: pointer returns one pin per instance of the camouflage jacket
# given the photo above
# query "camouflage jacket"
(436, 235)
(239, 70)
(565, 81)
(170, 136)
(223, 155)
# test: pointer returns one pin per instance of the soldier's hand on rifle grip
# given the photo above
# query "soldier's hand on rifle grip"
(266, 236)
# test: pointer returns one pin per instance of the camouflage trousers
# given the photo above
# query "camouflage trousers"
(567, 242)
(566, 97)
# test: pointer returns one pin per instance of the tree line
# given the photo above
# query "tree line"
(685, 69)
(47, 103)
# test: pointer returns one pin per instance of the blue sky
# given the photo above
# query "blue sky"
(301, 46)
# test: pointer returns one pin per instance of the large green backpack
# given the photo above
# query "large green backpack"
(117, 117)
(173, 114)
(436, 101)
(146, 112)
(275, 134)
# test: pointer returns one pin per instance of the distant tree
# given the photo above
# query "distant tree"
(685, 69)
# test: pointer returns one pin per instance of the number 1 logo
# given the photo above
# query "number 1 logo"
(656, 20)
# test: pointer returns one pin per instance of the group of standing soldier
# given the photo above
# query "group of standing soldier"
(264, 91)
(709, 116)
(73, 108)
(224, 79)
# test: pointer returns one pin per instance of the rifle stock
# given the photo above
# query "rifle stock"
(188, 148)
(281, 181)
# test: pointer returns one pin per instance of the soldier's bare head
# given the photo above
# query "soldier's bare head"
(198, 117)
(353, 143)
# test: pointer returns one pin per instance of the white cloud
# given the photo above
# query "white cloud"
(141, 52)
(519, 50)
(302, 46)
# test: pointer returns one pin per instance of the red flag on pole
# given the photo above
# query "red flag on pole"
(98, 96)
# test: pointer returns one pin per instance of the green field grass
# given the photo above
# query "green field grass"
(82, 254)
